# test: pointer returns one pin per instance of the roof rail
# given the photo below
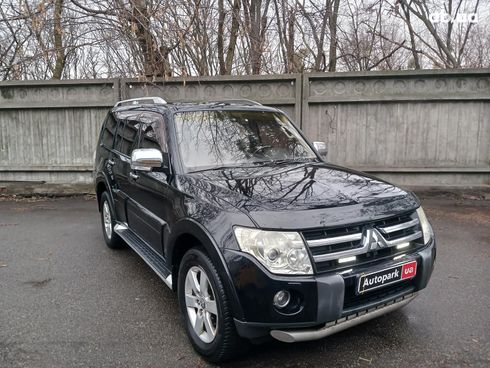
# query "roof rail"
(141, 101)
(242, 101)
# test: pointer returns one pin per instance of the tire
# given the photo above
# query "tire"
(108, 222)
(224, 344)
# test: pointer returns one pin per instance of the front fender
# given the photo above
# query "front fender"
(189, 226)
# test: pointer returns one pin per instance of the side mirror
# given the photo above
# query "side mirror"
(145, 159)
(321, 148)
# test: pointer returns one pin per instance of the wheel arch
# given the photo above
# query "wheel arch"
(101, 186)
(190, 234)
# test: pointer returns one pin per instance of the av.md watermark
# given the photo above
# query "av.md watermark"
(442, 17)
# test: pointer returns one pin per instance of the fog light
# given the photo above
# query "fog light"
(282, 298)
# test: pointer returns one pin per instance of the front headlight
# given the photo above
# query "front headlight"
(280, 252)
(425, 225)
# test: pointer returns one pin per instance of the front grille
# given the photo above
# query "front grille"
(391, 236)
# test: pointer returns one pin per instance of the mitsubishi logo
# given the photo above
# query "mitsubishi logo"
(372, 239)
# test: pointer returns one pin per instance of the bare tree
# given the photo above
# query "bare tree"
(333, 12)
(44, 39)
(447, 48)
(321, 18)
(411, 32)
(60, 56)
(317, 19)
(256, 24)
(286, 20)
(226, 59)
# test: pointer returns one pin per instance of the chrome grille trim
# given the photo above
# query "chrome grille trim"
(342, 254)
(334, 240)
(354, 244)
(364, 248)
(415, 235)
(397, 227)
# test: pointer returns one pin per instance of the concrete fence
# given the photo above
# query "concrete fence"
(428, 128)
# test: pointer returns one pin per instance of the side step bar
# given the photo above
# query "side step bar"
(153, 260)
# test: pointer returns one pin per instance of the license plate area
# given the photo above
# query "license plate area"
(387, 276)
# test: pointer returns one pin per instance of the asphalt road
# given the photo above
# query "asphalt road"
(66, 300)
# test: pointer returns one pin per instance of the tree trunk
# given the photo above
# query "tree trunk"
(60, 58)
(155, 58)
(332, 24)
(235, 25)
(256, 21)
(226, 61)
(411, 32)
(292, 63)
(220, 41)
(255, 51)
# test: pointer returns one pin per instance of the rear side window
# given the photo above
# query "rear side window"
(109, 131)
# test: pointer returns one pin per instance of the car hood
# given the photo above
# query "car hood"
(302, 195)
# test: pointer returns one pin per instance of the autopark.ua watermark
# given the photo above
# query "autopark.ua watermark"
(442, 17)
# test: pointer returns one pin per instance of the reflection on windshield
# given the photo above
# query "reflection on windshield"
(210, 139)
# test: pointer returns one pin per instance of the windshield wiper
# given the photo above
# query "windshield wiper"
(282, 161)
(213, 168)
(222, 167)
(254, 164)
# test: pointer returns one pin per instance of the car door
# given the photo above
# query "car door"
(150, 204)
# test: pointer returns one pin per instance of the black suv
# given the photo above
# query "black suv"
(236, 210)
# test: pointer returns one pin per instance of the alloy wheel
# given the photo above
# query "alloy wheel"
(106, 214)
(201, 304)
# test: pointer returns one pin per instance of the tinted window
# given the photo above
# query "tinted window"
(118, 135)
(149, 137)
(152, 133)
(128, 136)
(137, 129)
(109, 131)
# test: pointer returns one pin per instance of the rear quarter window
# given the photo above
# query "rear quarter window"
(109, 131)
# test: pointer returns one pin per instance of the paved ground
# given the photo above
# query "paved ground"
(68, 301)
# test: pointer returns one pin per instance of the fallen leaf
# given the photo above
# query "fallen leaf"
(366, 360)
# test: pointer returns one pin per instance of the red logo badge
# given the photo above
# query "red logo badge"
(409, 270)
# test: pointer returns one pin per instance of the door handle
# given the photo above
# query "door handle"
(111, 162)
(133, 175)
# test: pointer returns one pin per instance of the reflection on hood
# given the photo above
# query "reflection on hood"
(295, 187)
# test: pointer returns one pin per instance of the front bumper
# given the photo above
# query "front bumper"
(329, 301)
(341, 324)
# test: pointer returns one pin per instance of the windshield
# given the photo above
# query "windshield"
(212, 139)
